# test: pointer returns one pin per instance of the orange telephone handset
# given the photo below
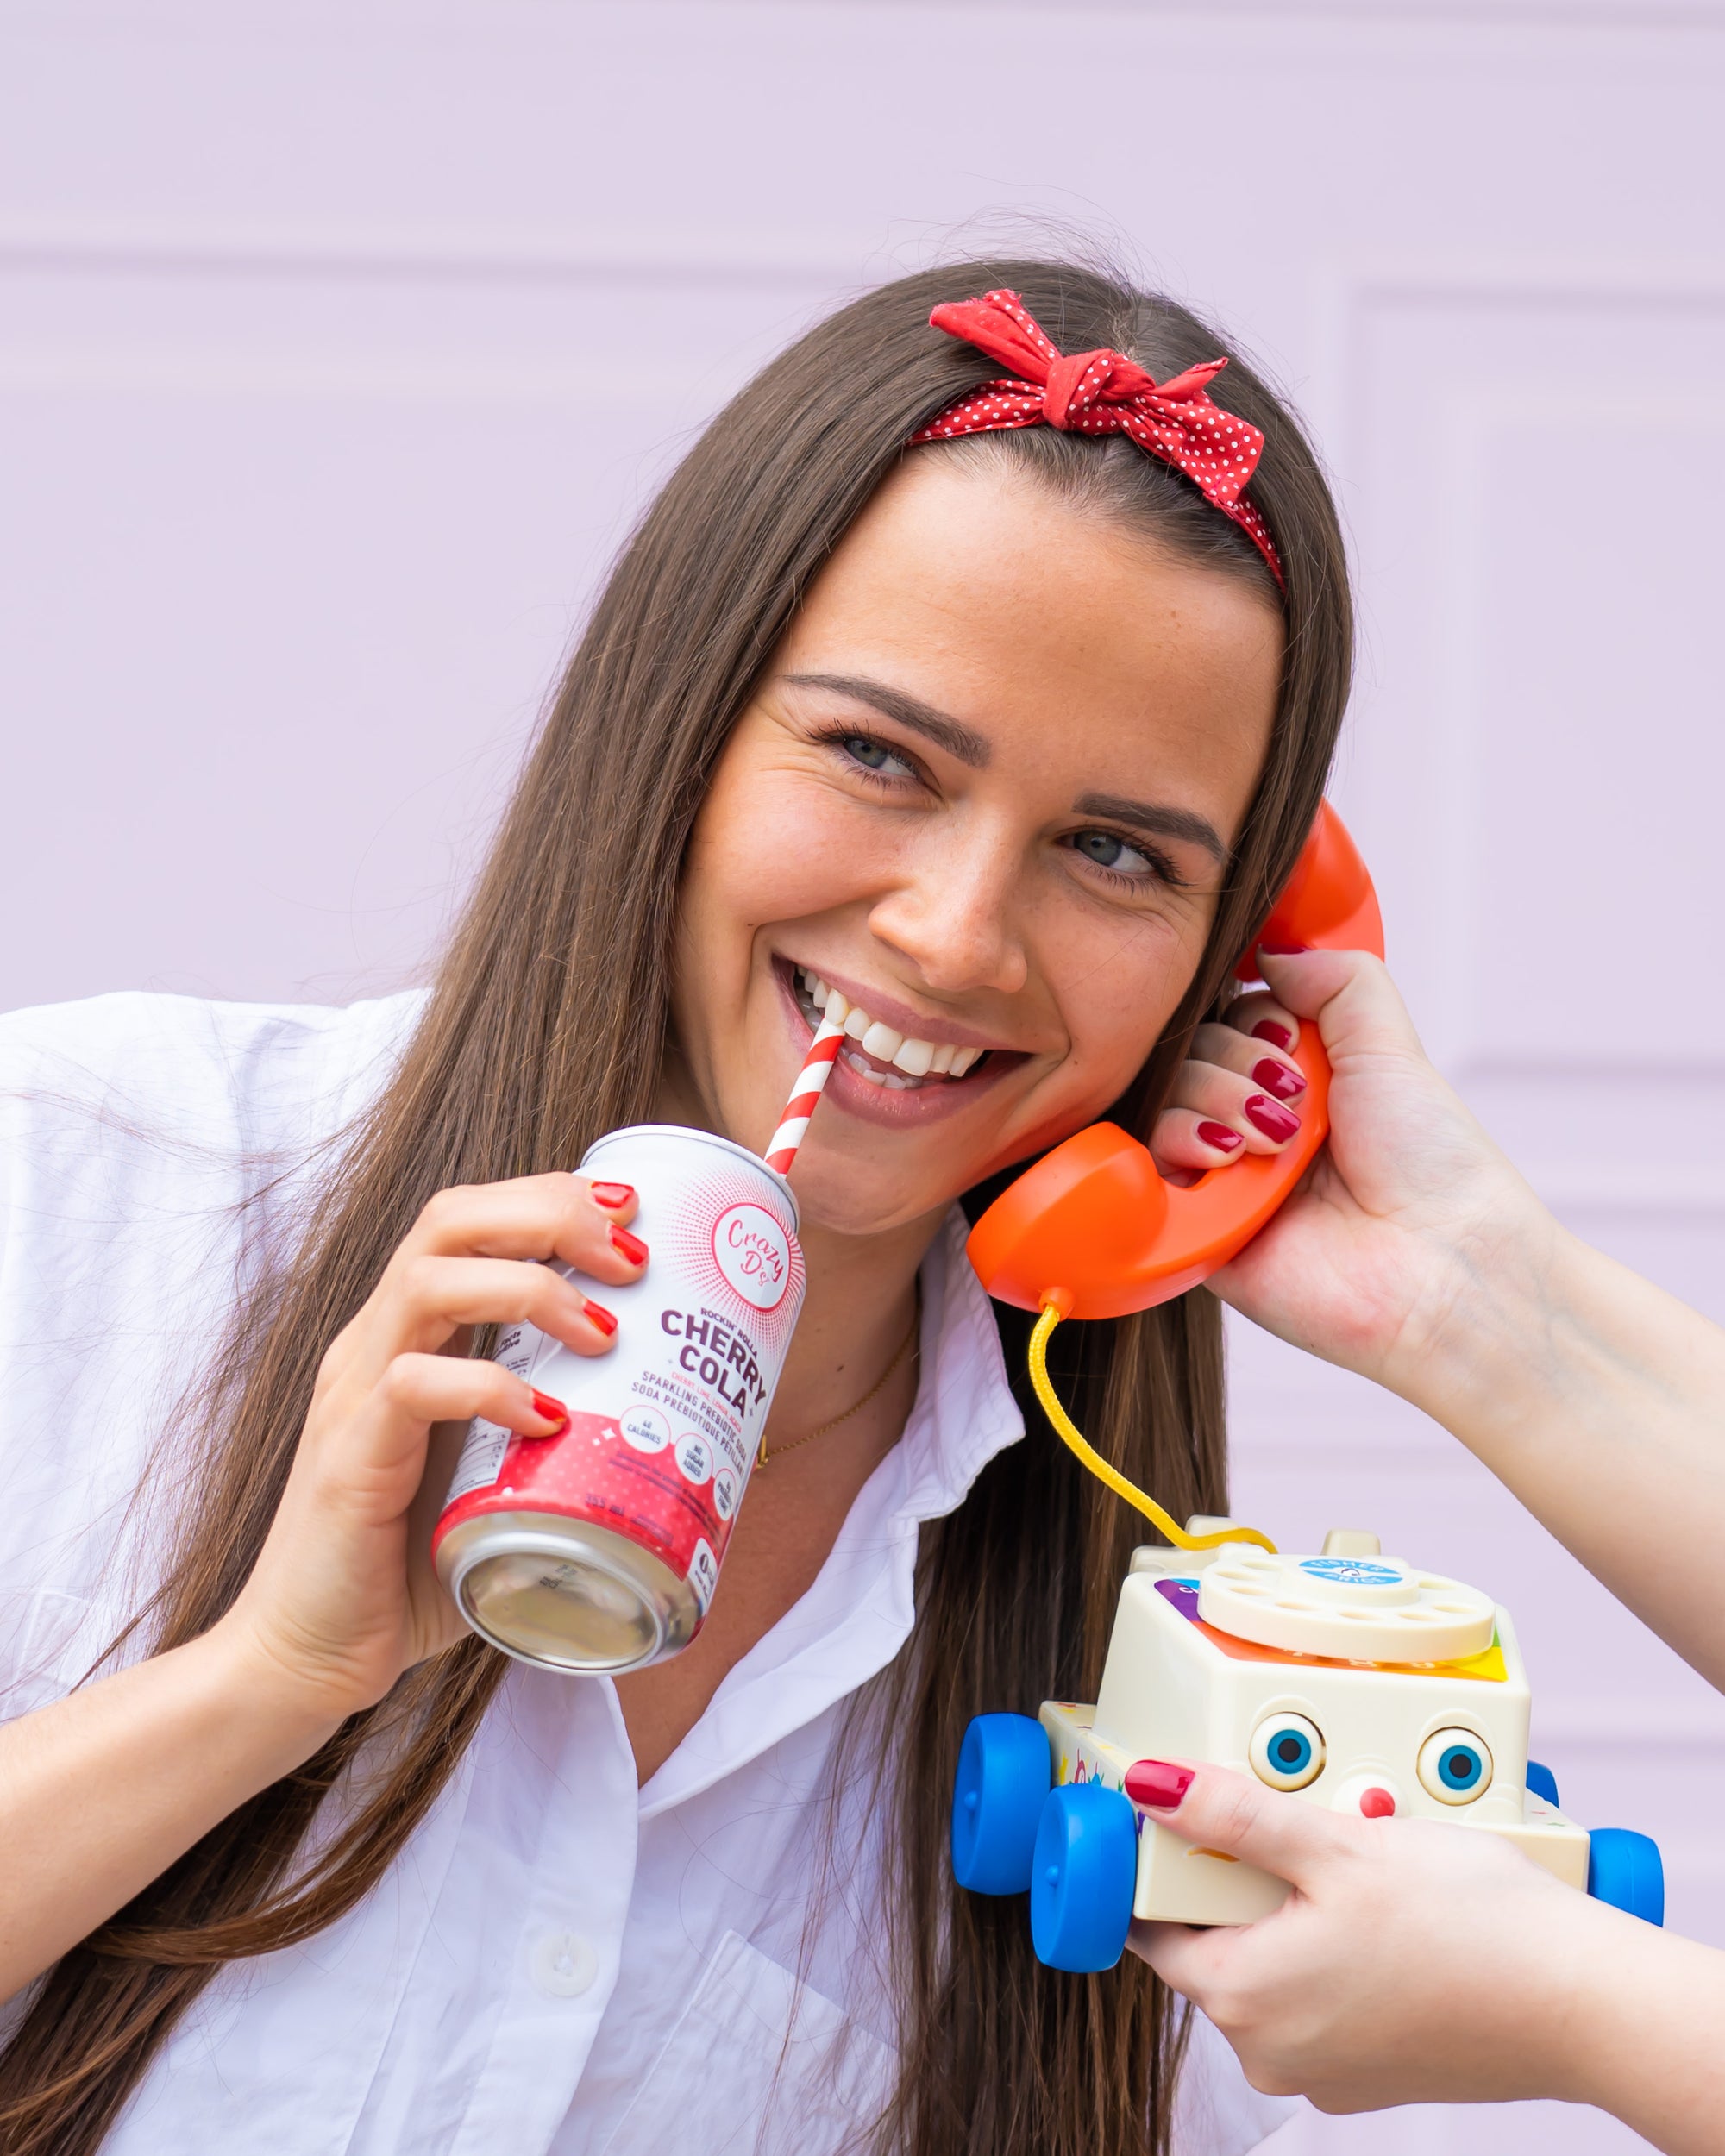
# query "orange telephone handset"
(1092, 1230)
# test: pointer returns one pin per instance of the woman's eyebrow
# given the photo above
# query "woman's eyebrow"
(949, 734)
(1159, 817)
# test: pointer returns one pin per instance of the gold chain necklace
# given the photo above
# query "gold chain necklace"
(857, 1406)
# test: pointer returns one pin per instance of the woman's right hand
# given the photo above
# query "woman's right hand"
(343, 1597)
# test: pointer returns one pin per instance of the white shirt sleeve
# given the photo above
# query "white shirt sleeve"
(137, 1132)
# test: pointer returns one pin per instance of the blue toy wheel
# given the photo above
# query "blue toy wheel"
(1623, 1868)
(997, 1799)
(1541, 1781)
(1084, 1876)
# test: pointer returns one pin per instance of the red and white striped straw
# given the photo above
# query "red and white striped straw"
(781, 1147)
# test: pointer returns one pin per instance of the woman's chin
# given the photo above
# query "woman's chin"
(832, 1198)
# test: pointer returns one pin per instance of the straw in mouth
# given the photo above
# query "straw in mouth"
(823, 1052)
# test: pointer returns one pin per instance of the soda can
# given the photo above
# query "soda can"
(598, 1549)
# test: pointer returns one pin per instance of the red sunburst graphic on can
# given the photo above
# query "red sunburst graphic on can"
(743, 1253)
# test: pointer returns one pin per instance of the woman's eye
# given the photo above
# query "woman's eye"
(1108, 850)
(874, 755)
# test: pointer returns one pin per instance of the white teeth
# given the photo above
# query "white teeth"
(915, 1059)
(880, 1040)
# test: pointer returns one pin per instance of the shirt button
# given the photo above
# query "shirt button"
(564, 1965)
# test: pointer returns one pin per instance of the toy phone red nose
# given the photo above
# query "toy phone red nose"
(1094, 1227)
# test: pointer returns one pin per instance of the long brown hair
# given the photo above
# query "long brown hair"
(546, 1027)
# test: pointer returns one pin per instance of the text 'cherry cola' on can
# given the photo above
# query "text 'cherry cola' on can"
(599, 1549)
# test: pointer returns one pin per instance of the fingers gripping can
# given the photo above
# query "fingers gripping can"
(599, 1549)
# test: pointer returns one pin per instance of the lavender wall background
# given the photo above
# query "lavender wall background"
(341, 342)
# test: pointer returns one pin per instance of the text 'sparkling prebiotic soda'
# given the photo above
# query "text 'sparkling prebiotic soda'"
(599, 1548)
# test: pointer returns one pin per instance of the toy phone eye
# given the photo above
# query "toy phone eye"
(1287, 1752)
(1455, 1766)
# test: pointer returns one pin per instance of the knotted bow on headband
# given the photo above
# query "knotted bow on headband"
(1103, 392)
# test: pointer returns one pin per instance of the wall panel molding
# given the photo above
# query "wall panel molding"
(629, 254)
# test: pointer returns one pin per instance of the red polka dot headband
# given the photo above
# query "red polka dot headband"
(1103, 392)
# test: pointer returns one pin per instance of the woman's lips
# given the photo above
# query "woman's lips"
(900, 1016)
(902, 1105)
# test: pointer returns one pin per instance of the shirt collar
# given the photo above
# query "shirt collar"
(861, 1608)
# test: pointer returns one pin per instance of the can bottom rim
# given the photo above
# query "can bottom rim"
(479, 1551)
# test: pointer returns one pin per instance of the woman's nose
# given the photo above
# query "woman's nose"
(954, 916)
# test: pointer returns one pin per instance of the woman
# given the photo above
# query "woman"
(1009, 738)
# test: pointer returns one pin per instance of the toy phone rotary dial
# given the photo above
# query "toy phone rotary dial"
(1350, 1608)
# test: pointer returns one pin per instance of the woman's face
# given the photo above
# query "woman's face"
(987, 794)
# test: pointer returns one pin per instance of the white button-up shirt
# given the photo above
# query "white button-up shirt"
(560, 1960)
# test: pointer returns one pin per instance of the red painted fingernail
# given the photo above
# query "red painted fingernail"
(551, 1411)
(1283, 950)
(631, 1247)
(612, 1196)
(598, 1314)
(1154, 1781)
(1273, 1077)
(1270, 1117)
(1268, 1030)
(1220, 1135)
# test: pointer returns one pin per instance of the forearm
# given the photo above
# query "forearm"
(1600, 1401)
(1649, 2044)
(101, 1792)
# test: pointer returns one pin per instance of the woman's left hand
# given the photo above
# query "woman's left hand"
(1413, 1962)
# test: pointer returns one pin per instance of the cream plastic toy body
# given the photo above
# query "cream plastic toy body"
(1373, 1688)
(1348, 1679)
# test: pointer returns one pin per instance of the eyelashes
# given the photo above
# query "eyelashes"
(866, 756)
(1160, 868)
(848, 739)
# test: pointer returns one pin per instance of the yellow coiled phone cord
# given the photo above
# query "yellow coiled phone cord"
(1100, 1468)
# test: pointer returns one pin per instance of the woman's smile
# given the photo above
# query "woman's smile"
(887, 1072)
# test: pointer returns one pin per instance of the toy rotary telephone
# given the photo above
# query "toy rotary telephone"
(1350, 1678)
(1094, 1231)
